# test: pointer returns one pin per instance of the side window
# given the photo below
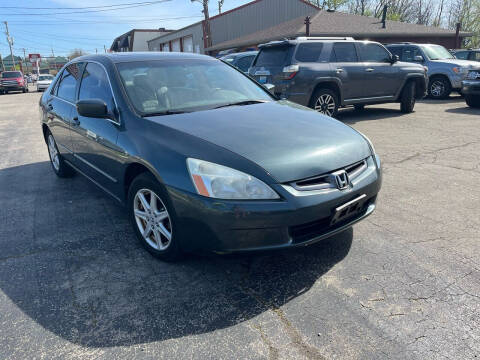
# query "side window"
(308, 52)
(462, 55)
(67, 84)
(396, 50)
(475, 56)
(344, 52)
(245, 62)
(95, 85)
(374, 53)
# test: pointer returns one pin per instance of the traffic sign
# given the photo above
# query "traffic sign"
(34, 58)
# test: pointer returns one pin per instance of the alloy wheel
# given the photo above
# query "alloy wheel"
(437, 89)
(325, 104)
(152, 219)
(52, 149)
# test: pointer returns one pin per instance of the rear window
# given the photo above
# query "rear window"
(308, 52)
(12, 74)
(273, 56)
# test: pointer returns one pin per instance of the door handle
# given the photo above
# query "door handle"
(75, 121)
(369, 69)
(339, 70)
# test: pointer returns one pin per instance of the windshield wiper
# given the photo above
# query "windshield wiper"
(167, 112)
(241, 103)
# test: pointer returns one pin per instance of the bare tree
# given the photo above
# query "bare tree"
(76, 53)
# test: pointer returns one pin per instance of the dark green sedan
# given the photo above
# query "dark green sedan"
(203, 157)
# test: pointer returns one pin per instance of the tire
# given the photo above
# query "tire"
(407, 100)
(439, 87)
(59, 166)
(158, 216)
(473, 100)
(5, 92)
(359, 107)
(24, 90)
(325, 101)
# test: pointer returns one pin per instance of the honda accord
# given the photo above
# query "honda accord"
(203, 157)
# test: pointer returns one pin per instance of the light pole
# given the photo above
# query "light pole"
(10, 43)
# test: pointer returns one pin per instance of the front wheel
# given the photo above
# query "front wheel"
(153, 218)
(439, 87)
(59, 166)
(473, 100)
(325, 101)
(407, 101)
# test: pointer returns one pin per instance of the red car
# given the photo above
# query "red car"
(13, 81)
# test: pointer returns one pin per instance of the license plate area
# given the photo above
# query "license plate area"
(348, 209)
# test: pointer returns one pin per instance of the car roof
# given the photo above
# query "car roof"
(141, 56)
(240, 54)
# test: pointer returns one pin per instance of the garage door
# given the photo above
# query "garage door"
(176, 45)
(188, 44)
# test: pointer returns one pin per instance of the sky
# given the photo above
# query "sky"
(39, 30)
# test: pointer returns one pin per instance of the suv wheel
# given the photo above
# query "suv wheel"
(473, 101)
(153, 218)
(407, 100)
(325, 101)
(59, 166)
(439, 87)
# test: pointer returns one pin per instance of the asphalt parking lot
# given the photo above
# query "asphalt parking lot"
(403, 284)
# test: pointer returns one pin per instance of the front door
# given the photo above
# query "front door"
(94, 139)
(380, 75)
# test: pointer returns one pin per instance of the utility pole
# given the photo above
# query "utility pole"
(54, 60)
(25, 59)
(206, 26)
(10, 43)
(220, 4)
(3, 65)
(105, 48)
(307, 23)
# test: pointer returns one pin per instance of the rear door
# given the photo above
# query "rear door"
(344, 63)
(382, 77)
(60, 106)
(94, 139)
(269, 64)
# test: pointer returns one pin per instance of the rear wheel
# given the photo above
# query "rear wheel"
(407, 101)
(473, 100)
(59, 166)
(153, 218)
(439, 87)
(325, 101)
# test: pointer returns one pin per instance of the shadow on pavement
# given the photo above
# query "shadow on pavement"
(467, 110)
(352, 116)
(69, 261)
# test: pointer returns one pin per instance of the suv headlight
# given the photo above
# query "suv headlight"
(374, 153)
(221, 182)
(460, 69)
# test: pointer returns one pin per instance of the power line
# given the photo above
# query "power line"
(78, 8)
(87, 11)
(50, 23)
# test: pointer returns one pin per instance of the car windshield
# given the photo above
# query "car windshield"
(13, 74)
(171, 86)
(436, 52)
(45, 77)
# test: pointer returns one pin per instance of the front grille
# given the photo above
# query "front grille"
(9, 82)
(308, 231)
(326, 181)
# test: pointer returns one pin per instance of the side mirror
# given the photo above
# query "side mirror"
(269, 87)
(394, 59)
(93, 108)
(418, 58)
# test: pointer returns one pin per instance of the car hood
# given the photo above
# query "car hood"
(289, 141)
(44, 82)
(458, 62)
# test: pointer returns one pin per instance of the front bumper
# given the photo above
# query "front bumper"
(296, 220)
(12, 87)
(471, 87)
(42, 87)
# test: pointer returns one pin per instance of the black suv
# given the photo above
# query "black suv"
(467, 54)
(328, 73)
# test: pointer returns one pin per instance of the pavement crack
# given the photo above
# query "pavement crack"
(272, 351)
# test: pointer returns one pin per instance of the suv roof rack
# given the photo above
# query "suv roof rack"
(303, 38)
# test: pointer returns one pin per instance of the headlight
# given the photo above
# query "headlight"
(460, 69)
(374, 153)
(221, 182)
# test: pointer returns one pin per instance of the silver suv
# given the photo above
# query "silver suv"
(445, 72)
(328, 73)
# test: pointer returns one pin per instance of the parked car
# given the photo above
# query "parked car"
(44, 82)
(445, 72)
(328, 73)
(13, 81)
(467, 54)
(220, 165)
(242, 60)
(471, 88)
